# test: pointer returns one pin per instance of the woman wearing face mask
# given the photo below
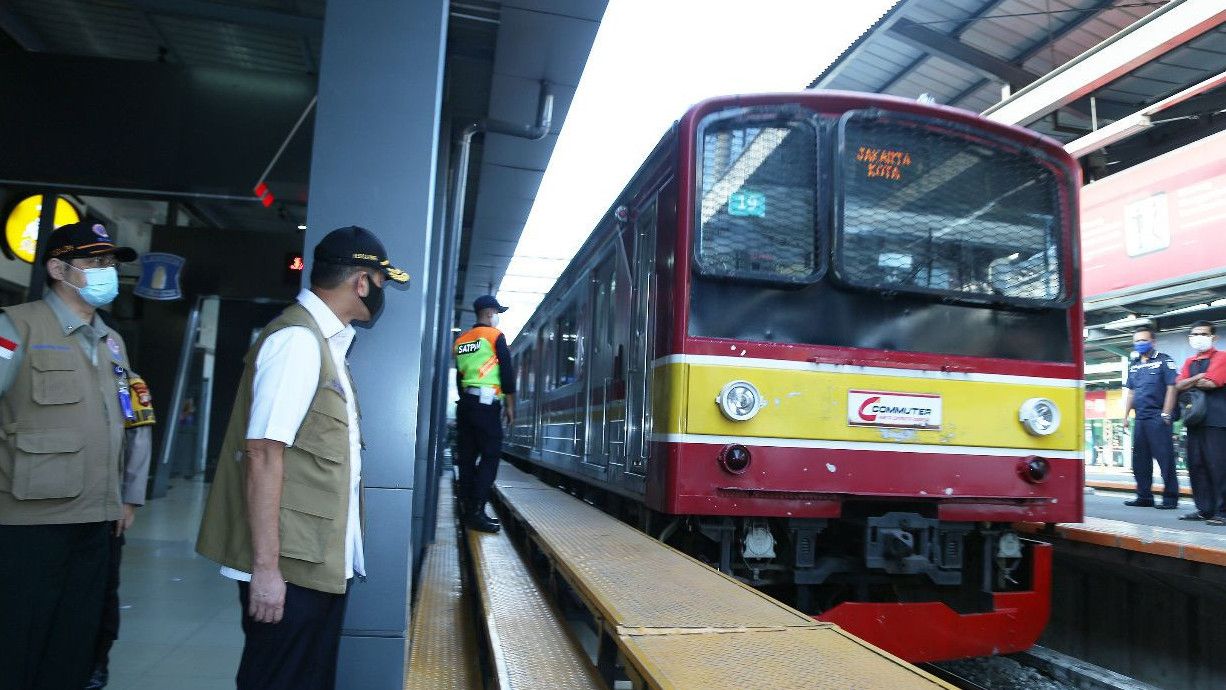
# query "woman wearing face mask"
(64, 398)
(1206, 371)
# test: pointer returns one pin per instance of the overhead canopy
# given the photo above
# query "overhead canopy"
(1067, 68)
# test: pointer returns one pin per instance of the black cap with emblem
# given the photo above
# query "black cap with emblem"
(488, 302)
(357, 246)
(84, 239)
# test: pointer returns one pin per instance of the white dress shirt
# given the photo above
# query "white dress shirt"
(286, 379)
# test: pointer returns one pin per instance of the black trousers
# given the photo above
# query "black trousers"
(299, 653)
(1207, 468)
(52, 579)
(108, 630)
(478, 434)
(1152, 441)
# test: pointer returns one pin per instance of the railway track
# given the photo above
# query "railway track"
(1037, 669)
(955, 679)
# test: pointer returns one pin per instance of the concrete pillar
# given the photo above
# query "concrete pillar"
(373, 164)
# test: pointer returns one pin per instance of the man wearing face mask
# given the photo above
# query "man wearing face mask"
(485, 377)
(1149, 390)
(1206, 371)
(283, 516)
(64, 397)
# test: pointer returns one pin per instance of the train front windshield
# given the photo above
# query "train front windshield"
(880, 226)
(941, 212)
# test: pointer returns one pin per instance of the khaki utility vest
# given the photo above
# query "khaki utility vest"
(61, 430)
(315, 490)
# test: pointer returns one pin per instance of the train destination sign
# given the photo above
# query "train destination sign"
(900, 410)
(886, 164)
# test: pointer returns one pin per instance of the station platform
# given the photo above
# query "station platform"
(653, 617)
(1110, 523)
(1120, 479)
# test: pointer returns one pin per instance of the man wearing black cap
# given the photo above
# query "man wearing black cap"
(64, 398)
(485, 377)
(283, 514)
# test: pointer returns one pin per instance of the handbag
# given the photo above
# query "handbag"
(1193, 406)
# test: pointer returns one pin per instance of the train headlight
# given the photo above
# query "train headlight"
(739, 401)
(1040, 416)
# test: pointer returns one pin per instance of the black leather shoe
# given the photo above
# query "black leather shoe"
(97, 680)
(486, 514)
(1194, 515)
(1140, 503)
(482, 523)
(1167, 506)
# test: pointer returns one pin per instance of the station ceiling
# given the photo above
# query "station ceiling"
(216, 85)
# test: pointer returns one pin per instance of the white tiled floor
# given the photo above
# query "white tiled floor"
(179, 626)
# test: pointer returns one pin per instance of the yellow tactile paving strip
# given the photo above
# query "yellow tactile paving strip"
(818, 657)
(636, 581)
(531, 646)
(443, 648)
(680, 624)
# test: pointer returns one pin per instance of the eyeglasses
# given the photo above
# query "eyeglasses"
(105, 261)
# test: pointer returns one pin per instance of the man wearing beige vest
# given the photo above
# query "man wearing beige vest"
(64, 398)
(283, 514)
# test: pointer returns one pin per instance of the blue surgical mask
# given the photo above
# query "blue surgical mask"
(101, 285)
(1143, 347)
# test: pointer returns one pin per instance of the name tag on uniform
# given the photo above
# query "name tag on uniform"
(487, 395)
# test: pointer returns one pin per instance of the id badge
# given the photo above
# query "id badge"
(487, 395)
(125, 394)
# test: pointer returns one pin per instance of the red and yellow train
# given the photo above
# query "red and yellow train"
(830, 343)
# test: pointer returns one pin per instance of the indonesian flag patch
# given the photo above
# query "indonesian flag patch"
(7, 348)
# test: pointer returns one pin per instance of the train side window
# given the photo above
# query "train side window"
(525, 373)
(566, 348)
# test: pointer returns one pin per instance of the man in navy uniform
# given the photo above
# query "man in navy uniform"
(486, 380)
(1150, 392)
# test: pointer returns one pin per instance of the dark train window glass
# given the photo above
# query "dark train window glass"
(526, 375)
(926, 208)
(566, 348)
(756, 216)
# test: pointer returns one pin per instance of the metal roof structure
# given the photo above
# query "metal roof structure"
(982, 54)
(972, 53)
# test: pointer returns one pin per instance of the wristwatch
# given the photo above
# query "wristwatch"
(1166, 416)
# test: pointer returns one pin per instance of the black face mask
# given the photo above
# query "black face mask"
(373, 301)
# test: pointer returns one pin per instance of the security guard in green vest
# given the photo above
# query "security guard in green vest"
(283, 517)
(64, 397)
(485, 377)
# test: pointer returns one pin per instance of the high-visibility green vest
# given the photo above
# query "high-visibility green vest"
(477, 360)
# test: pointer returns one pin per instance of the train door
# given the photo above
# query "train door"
(600, 364)
(541, 385)
(642, 337)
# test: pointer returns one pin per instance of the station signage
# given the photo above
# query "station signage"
(21, 226)
(1158, 222)
(899, 410)
(159, 277)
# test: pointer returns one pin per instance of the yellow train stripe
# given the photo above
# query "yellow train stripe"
(813, 405)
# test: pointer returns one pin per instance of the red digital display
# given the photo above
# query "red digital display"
(291, 270)
(886, 164)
